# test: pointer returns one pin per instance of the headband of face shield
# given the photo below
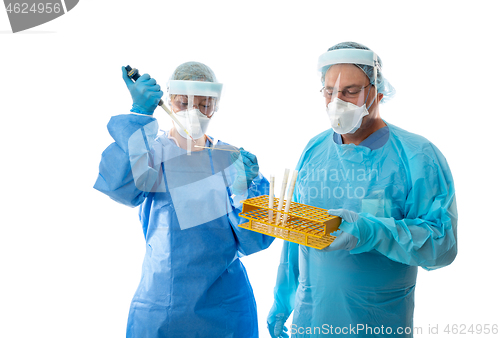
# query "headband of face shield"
(346, 117)
(360, 56)
(194, 103)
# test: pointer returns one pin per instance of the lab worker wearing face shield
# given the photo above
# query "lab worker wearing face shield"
(395, 194)
(188, 187)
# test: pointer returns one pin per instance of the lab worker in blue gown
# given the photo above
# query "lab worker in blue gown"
(395, 194)
(193, 283)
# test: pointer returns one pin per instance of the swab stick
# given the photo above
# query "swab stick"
(271, 201)
(282, 195)
(291, 188)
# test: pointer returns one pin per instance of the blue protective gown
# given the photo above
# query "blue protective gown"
(193, 283)
(402, 188)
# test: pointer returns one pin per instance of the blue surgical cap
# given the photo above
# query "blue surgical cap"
(193, 71)
(383, 86)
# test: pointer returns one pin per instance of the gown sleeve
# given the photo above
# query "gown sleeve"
(287, 281)
(132, 135)
(427, 236)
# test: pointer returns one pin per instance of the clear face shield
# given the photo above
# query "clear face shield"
(347, 90)
(194, 103)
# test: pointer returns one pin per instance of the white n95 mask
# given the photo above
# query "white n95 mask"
(345, 117)
(195, 122)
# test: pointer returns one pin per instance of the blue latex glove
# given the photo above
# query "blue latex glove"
(344, 240)
(346, 215)
(146, 94)
(277, 328)
(246, 172)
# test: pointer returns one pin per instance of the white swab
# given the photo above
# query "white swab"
(282, 195)
(291, 188)
(271, 201)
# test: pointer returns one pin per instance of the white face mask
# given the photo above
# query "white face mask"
(195, 122)
(345, 117)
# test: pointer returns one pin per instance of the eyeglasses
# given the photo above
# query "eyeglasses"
(206, 105)
(349, 92)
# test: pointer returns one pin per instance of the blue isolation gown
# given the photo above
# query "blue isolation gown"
(193, 283)
(402, 188)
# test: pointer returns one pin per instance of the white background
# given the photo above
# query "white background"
(70, 257)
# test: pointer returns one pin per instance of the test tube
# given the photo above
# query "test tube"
(282, 195)
(271, 202)
(291, 188)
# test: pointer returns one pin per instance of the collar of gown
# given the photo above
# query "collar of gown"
(374, 141)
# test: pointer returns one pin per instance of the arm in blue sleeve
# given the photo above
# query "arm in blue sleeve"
(427, 236)
(116, 178)
(287, 279)
(250, 242)
(287, 282)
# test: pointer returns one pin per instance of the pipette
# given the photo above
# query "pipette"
(133, 73)
(233, 150)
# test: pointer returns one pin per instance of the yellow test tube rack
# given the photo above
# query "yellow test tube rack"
(304, 224)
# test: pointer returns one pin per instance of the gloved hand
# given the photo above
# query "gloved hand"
(146, 94)
(346, 215)
(246, 172)
(277, 328)
(344, 241)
